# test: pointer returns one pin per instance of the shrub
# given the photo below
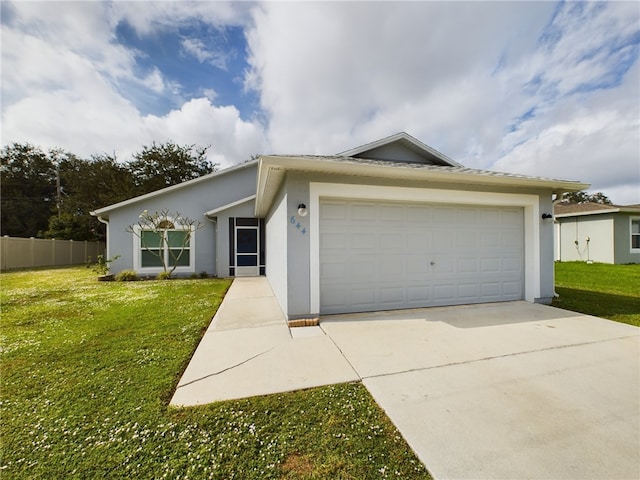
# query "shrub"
(204, 274)
(101, 267)
(127, 276)
(164, 276)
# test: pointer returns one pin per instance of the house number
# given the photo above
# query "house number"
(296, 223)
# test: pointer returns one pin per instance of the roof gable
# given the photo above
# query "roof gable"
(402, 148)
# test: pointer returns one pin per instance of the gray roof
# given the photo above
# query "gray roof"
(421, 167)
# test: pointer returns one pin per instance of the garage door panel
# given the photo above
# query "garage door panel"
(444, 293)
(363, 241)
(363, 297)
(335, 241)
(392, 241)
(468, 290)
(392, 269)
(443, 239)
(363, 213)
(392, 295)
(376, 256)
(467, 265)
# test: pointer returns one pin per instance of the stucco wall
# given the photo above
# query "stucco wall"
(192, 201)
(622, 247)
(597, 228)
(547, 275)
(276, 252)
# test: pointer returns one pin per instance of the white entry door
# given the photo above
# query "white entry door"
(384, 255)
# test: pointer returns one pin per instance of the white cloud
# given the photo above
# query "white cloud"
(196, 48)
(517, 90)
(62, 79)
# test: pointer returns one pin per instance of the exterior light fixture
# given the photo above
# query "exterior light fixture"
(547, 218)
(302, 210)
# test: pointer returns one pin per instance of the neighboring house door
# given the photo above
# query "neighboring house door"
(383, 256)
(248, 247)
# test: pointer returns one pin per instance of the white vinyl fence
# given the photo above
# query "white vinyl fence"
(35, 252)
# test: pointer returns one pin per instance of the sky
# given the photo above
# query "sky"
(547, 89)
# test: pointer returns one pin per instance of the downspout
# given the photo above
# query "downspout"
(553, 207)
(106, 222)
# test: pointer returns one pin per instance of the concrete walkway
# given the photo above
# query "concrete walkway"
(249, 350)
(494, 391)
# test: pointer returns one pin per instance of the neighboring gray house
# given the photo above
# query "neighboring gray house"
(593, 232)
(388, 225)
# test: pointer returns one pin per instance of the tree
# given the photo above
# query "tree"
(162, 165)
(28, 186)
(164, 236)
(88, 185)
(583, 197)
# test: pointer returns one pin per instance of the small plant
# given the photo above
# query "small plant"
(164, 276)
(204, 274)
(102, 265)
(127, 276)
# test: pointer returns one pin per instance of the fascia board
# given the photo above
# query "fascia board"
(269, 164)
(582, 214)
(212, 213)
(384, 171)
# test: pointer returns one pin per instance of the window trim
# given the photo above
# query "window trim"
(137, 251)
(631, 234)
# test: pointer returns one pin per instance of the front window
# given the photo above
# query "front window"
(635, 234)
(170, 247)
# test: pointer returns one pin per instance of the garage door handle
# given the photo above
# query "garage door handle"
(432, 263)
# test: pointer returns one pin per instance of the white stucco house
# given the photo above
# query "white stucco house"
(388, 225)
(592, 232)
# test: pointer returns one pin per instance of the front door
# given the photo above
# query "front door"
(247, 251)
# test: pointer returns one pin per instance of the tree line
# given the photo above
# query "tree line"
(50, 194)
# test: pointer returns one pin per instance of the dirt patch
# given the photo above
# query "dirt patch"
(298, 466)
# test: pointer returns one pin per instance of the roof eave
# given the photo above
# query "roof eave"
(269, 163)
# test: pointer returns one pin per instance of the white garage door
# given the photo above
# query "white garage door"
(382, 256)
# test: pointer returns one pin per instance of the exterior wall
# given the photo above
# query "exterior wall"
(599, 230)
(192, 201)
(538, 261)
(547, 270)
(396, 153)
(622, 237)
(276, 237)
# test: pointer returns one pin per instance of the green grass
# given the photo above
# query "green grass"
(88, 369)
(600, 289)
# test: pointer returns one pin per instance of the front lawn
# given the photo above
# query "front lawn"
(88, 369)
(600, 289)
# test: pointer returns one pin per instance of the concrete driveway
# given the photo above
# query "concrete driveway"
(503, 391)
(497, 391)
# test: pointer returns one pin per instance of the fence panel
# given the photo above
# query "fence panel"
(36, 252)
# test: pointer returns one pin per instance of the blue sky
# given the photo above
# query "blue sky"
(198, 58)
(540, 88)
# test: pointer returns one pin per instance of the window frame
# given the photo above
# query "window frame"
(189, 251)
(632, 220)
